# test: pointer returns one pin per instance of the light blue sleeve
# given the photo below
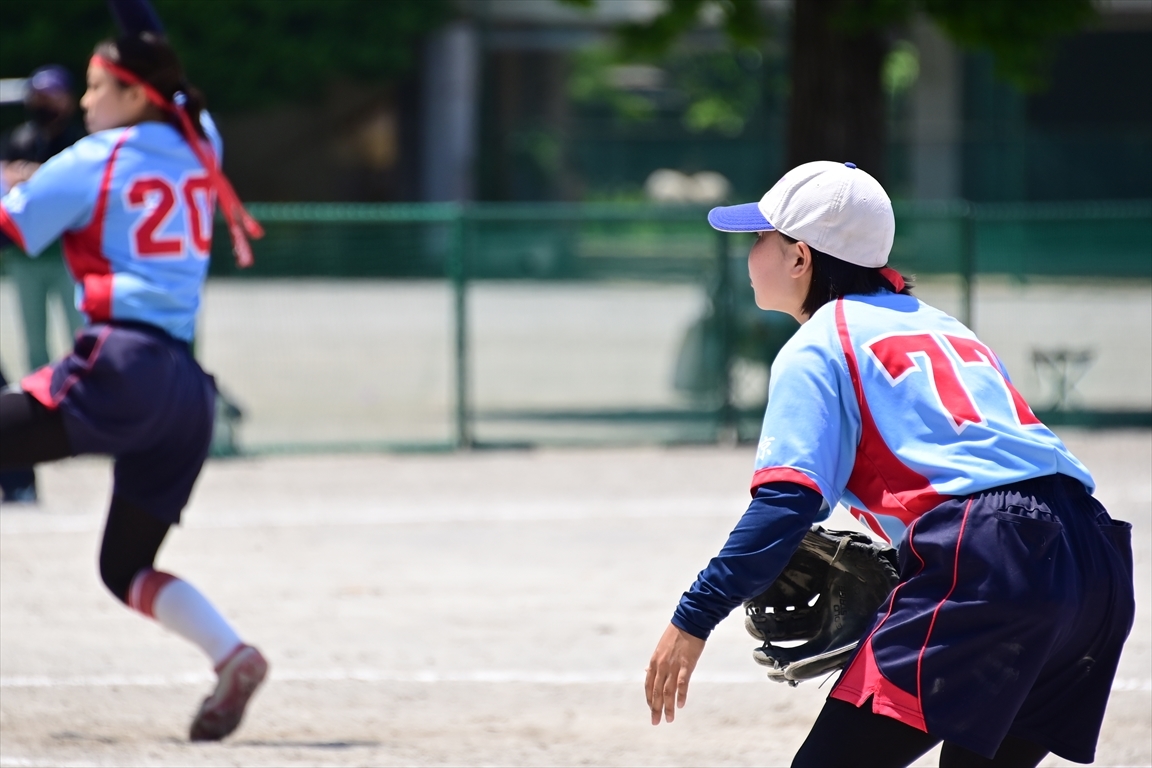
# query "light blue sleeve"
(60, 195)
(812, 424)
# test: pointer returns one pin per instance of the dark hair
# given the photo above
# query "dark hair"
(833, 278)
(151, 58)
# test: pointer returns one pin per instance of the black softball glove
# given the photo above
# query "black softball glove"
(821, 604)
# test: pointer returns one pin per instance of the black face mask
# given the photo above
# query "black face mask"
(43, 116)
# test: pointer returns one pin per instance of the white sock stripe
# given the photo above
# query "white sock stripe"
(181, 608)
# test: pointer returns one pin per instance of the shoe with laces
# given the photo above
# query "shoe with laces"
(238, 677)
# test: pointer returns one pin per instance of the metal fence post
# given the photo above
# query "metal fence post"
(968, 266)
(723, 309)
(458, 272)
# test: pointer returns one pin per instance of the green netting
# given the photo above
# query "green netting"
(601, 241)
(369, 326)
(552, 335)
(1097, 240)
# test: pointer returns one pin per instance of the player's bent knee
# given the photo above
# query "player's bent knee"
(116, 577)
(131, 539)
(32, 433)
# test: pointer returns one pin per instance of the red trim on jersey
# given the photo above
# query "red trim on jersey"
(879, 479)
(8, 227)
(145, 587)
(97, 302)
(39, 383)
(84, 248)
(782, 475)
(869, 519)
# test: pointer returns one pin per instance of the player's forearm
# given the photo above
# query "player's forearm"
(135, 16)
(756, 552)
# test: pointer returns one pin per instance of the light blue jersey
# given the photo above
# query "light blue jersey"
(891, 407)
(135, 208)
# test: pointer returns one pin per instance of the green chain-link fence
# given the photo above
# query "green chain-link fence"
(440, 326)
(502, 263)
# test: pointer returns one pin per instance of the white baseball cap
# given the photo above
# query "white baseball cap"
(835, 208)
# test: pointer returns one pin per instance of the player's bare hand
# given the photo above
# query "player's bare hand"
(672, 664)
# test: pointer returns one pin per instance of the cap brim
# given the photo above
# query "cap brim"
(739, 218)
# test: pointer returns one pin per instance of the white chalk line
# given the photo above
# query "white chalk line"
(1123, 684)
(7, 761)
(348, 675)
(32, 522)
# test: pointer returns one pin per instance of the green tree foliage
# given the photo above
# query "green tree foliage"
(1018, 33)
(842, 61)
(244, 54)
(741, 22)
(591, 82)
(712, 91)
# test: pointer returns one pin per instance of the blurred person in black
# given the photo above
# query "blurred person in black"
(16, 485)
(52, 127)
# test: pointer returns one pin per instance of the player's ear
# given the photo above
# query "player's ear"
(801, 259)
(136, 97)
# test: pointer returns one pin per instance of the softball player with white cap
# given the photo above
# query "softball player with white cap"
(1015, 596)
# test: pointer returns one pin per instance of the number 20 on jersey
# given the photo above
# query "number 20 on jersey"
(153, 235)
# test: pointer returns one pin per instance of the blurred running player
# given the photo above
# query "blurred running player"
(134, 202)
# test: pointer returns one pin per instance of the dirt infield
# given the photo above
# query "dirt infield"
(486, 608)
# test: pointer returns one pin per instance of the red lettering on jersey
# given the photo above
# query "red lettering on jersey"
(972, 352)
(201, 205)
(880, 479)
(898, 355)
(157, 197)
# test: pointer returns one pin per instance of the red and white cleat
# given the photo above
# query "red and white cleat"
(238, 677)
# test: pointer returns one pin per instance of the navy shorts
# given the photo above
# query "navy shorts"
(132, 391)
(1012, 609)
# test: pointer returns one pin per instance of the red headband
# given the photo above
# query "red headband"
(241, 225)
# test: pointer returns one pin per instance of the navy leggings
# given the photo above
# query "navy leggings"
(848, 735)
(34, 434)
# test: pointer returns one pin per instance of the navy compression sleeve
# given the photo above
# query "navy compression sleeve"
(135, 16)
(756, 552)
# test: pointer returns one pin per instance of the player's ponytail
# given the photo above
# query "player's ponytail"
(147, 60)
(833, 278)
